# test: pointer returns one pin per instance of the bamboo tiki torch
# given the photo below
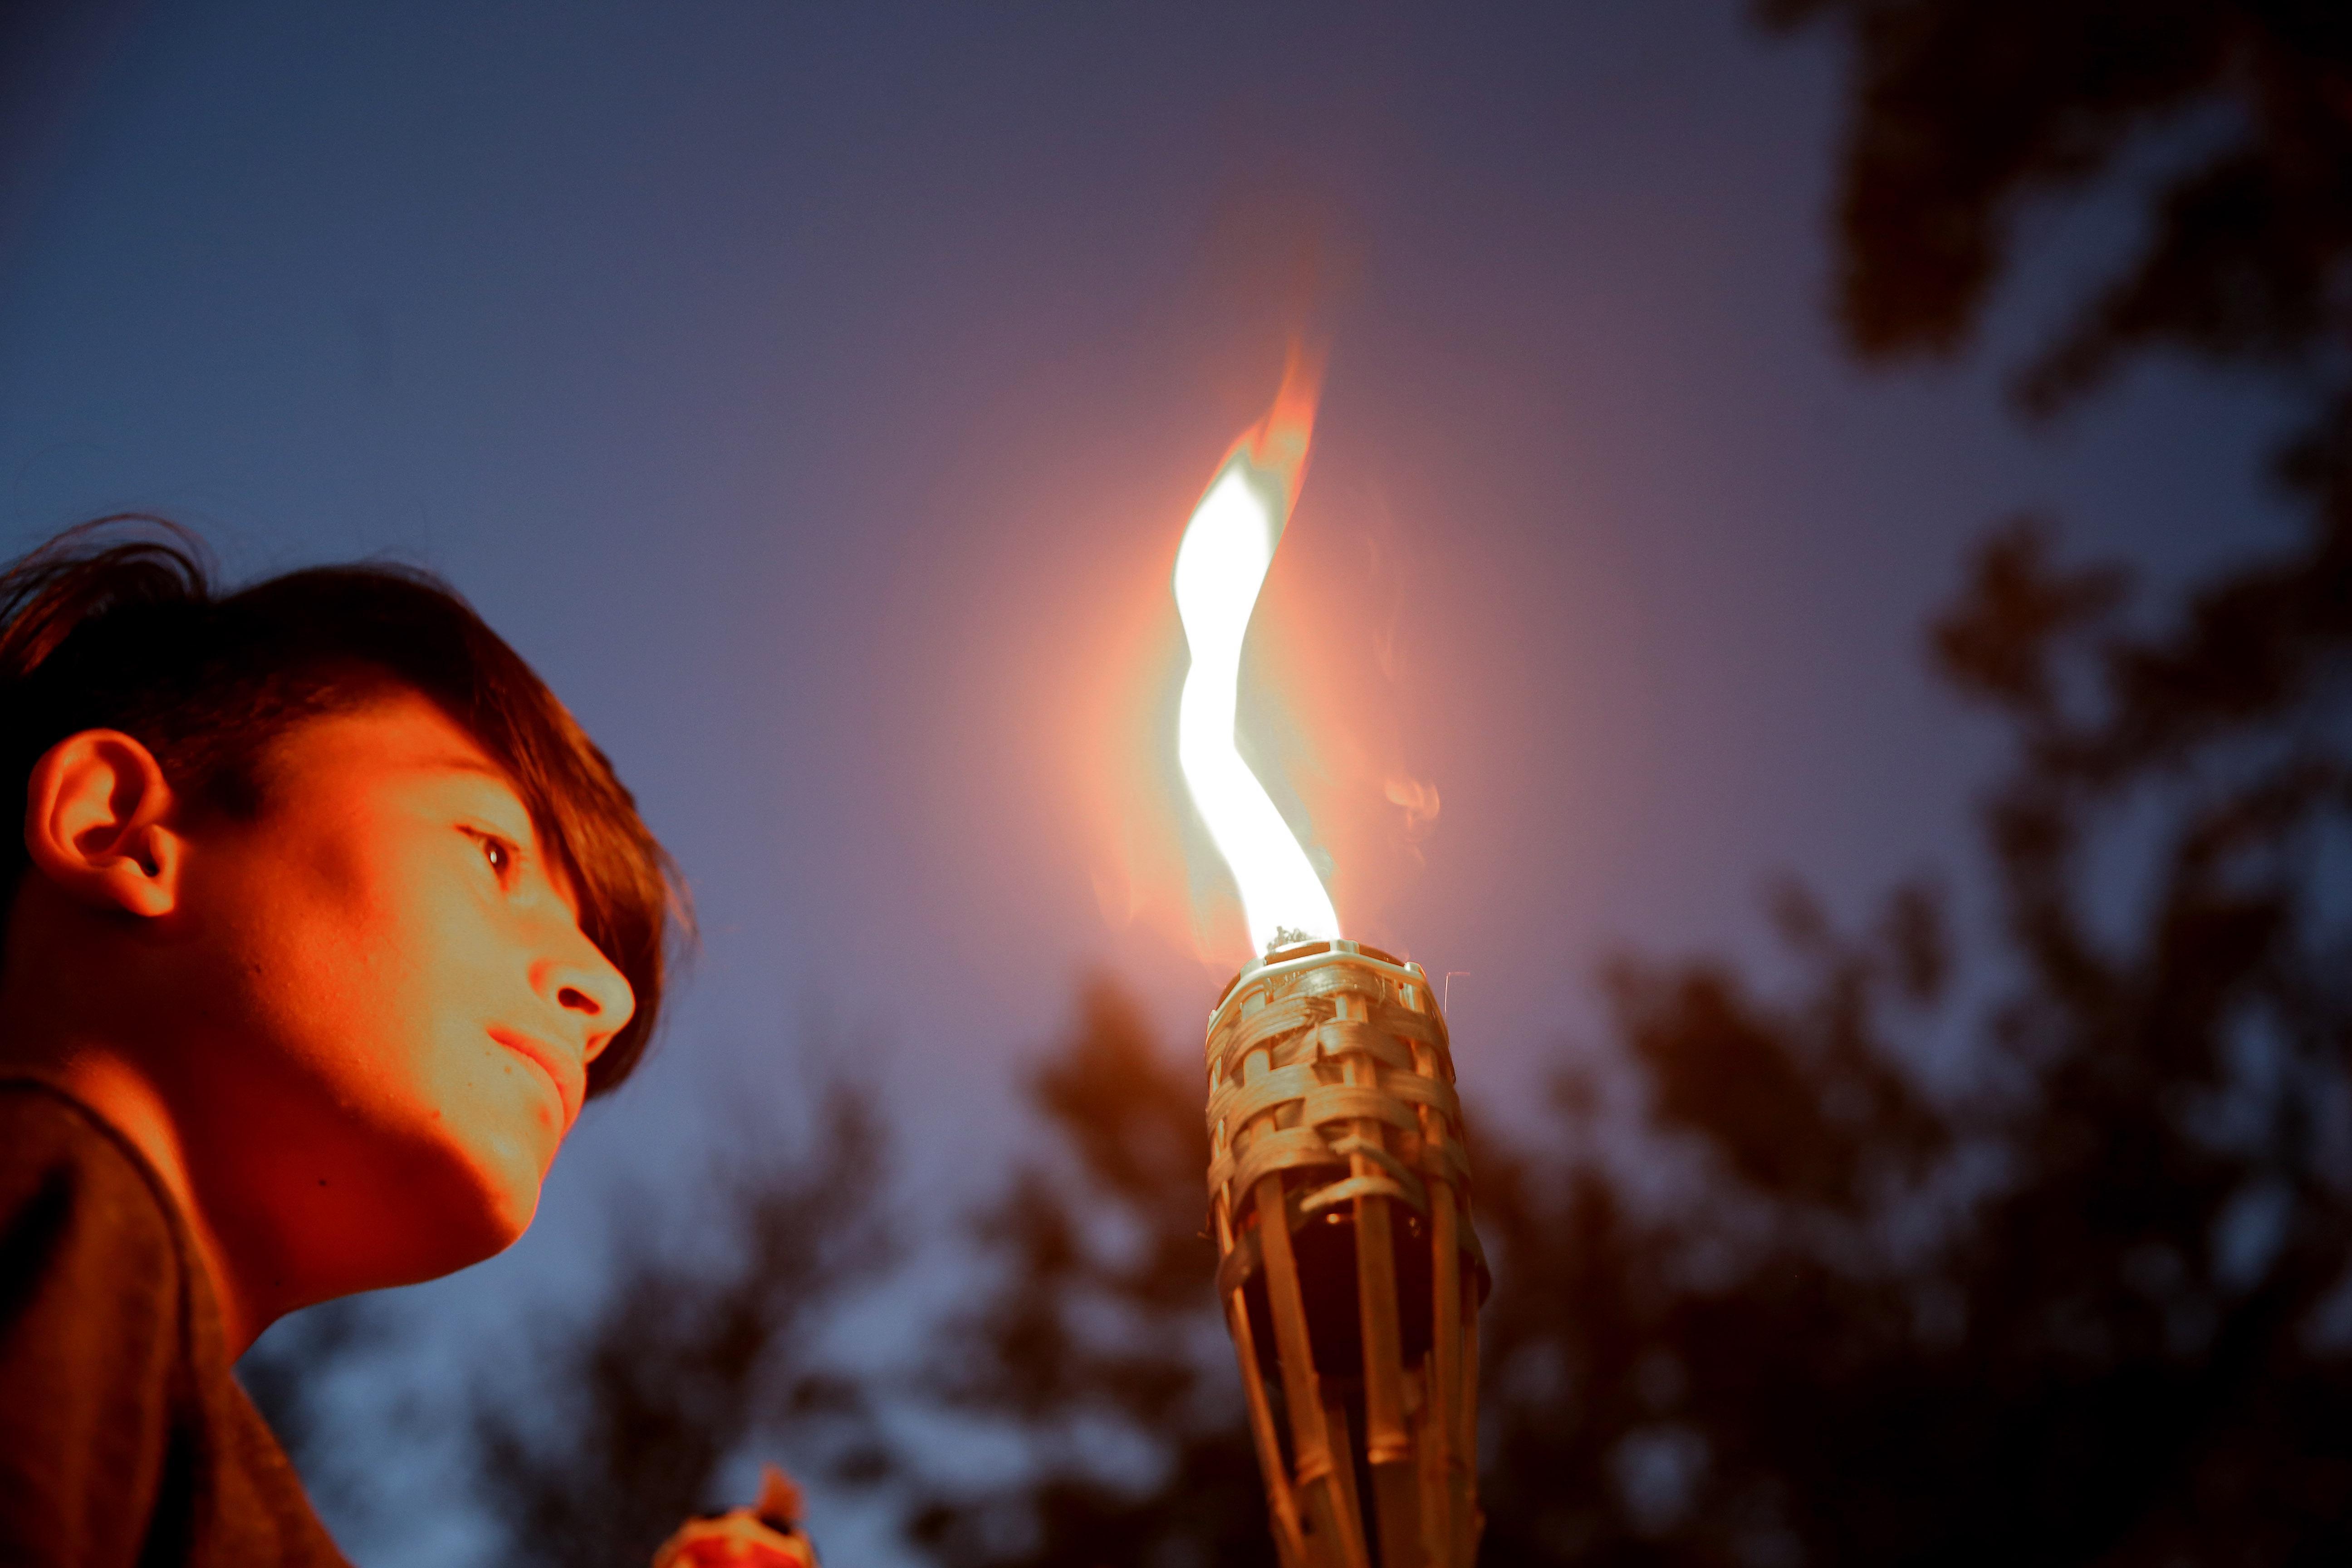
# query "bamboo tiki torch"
(1339, 1194)
(1350, 1272)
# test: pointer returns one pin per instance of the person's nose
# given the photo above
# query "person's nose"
(595, 997)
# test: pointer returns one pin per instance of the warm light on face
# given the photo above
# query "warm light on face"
(410, 968)
(1220, 567)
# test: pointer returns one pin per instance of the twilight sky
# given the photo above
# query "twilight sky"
(815, 394)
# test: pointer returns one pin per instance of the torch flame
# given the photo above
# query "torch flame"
(1220, 567)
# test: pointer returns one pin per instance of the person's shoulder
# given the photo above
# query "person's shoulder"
(42, 1123)
(61, 1164)
(94, 1299)
(122, 1432)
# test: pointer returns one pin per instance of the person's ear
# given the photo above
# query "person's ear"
(97, 824)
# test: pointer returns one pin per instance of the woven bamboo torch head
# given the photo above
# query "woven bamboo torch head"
(1347, 1266)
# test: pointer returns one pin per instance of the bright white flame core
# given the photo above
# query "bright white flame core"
(1220, 567)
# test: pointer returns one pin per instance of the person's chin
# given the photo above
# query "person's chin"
(497, 1164)
(509, 1175)
(506, 1137)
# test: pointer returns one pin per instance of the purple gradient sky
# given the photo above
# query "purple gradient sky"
(815, 394)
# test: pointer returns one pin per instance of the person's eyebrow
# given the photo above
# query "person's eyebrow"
(557, 863)
(457, 763)
(480, 767)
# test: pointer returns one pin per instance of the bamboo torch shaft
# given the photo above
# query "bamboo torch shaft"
(1328, 1065)
(1388, 1445)
(1289, 1541)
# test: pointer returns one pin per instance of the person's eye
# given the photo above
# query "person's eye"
(500, 853)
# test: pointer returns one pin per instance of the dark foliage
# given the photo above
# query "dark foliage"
(2130, 1346)
(696, 1352)
(1965, 111)
(1099, 1354)
(2092, 1306)
(288, 1373)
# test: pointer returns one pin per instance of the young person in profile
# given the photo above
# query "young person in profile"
(324, 920)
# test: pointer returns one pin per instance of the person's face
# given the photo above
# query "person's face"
(398, 969)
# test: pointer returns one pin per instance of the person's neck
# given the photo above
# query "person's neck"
(127, 1098)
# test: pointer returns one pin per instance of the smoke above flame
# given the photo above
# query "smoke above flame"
(1220, 567)
(1419, 799)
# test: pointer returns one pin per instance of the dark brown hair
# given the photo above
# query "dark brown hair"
(102, 631)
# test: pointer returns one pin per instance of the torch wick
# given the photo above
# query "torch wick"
(1285, 936)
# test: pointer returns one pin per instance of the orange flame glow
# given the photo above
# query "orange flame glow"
(1220, 568)
(1419, 799)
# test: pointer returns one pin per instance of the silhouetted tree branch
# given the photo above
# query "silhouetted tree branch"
(706, 1342)
(1099, 1354)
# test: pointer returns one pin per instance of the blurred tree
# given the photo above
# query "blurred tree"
(1965, 112)
(706, 1342)
(1099, 1355)
(2092, 1307)
(291, 1372)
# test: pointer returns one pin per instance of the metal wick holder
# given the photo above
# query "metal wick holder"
(1346, 1263)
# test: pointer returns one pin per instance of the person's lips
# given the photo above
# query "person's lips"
(564, 1070)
